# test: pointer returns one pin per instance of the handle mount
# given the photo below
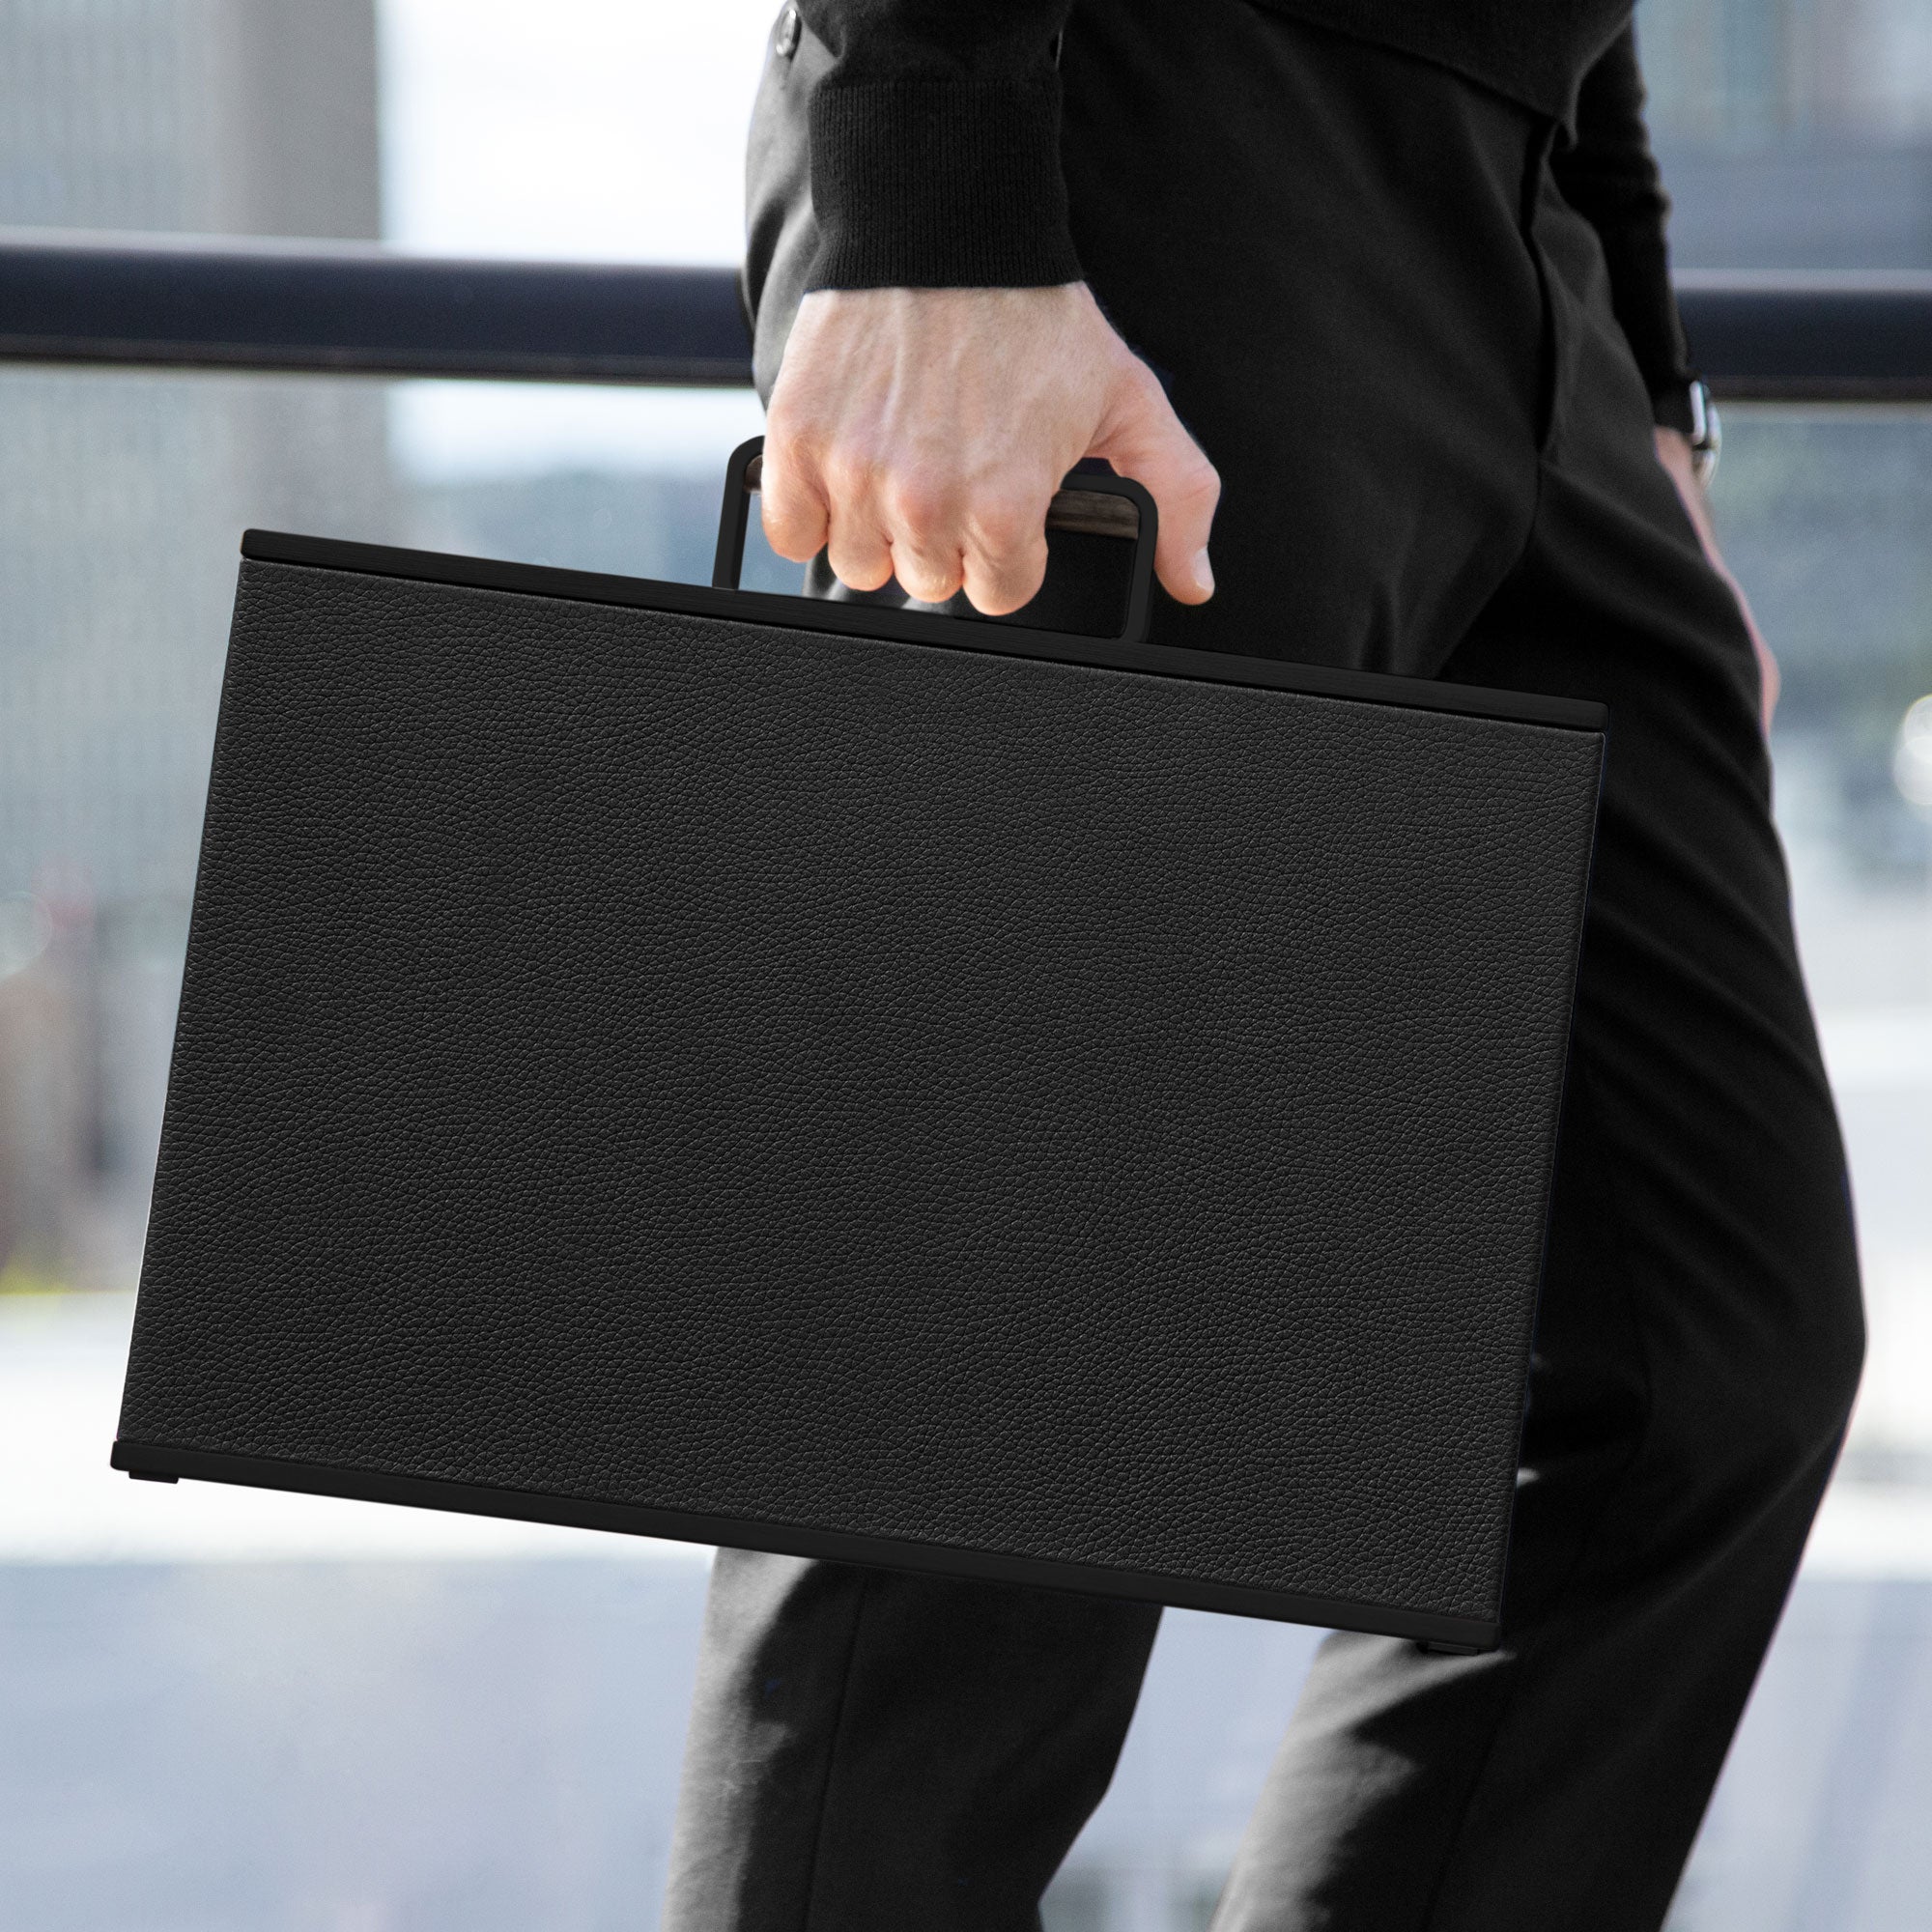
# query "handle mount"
(1086, 504)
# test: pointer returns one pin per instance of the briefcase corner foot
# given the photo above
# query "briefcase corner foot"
(121, 1456)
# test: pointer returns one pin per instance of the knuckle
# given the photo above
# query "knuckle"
(854, 540)
(863, 570)
(847, 470)
(791, 439)
(1004, 530)
(790, 542)
(922, 505)
(794, 526)
(1000, 594)
(785, 494)
(928, 579)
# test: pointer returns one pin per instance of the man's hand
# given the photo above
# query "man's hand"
(920, 433)
(1673, 451)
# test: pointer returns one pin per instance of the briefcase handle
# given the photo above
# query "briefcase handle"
(1088, 503)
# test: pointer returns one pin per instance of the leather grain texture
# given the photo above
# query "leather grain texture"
(906, 1091)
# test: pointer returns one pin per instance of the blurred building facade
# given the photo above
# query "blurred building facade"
(224, 117)
(1794, 134)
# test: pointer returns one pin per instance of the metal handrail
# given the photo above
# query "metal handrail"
(1811, 335)
(346, 308)
(185, 301)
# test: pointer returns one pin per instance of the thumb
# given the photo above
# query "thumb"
(1142, 438)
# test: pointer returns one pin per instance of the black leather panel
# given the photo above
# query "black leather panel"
(906, 1091)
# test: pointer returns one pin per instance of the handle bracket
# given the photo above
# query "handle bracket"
(1088, 503)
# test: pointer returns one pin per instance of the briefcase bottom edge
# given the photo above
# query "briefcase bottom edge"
(150, 1461)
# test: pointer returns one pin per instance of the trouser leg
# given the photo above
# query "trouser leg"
(872, 1751)
(1700, 1334)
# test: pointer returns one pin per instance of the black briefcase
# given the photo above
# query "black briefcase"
(866, 1083)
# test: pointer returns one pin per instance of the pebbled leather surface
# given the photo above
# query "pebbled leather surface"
(899, 1089)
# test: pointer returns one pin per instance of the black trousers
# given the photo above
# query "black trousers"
(1396, 342)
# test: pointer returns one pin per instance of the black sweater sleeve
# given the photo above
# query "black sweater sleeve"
(935, 162)
(1610, 175)
(935, 145)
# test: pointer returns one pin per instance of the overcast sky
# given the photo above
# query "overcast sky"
(579, 127)
(587, 128)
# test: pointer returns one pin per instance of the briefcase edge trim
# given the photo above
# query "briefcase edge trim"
(148, 1462)
(920, 627)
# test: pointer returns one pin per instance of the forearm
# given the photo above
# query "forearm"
(1609, 175)
(948, 365)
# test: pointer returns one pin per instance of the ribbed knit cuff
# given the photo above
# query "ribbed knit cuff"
(940, 185)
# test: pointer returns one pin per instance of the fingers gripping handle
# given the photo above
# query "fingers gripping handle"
(1087, 505)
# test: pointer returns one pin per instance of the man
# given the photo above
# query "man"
(1400, 271)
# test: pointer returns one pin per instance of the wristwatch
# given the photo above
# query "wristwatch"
(1691, 413)
(1707, 435)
